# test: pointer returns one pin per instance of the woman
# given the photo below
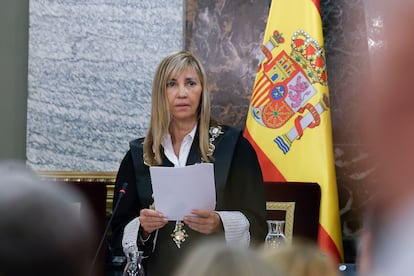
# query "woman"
(218, 259)
(301, 259)
(182, 133)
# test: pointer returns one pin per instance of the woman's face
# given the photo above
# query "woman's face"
(183, 95)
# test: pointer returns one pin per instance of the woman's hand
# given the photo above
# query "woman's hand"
(203, 221)
(151, 220)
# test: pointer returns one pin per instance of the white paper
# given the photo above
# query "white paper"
(177, 191)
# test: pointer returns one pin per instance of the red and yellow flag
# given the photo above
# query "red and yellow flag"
(289, 121)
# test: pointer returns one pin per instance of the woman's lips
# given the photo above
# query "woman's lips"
(181, 105)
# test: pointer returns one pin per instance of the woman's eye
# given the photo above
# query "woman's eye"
(192, 83)
(171, 84)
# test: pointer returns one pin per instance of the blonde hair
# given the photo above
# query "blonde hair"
(171, 66)
(303, 259)
(219, 259)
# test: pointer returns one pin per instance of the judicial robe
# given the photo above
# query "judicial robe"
(239, 187)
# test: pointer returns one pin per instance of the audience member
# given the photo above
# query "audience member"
(301, 259)
(219, 259)
(387, 241)
(41, 231)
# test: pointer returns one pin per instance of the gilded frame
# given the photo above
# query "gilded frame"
(78, 176)
(289, 208)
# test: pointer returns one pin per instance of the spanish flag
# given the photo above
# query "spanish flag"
(289, 121)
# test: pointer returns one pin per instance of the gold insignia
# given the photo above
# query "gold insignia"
(179, 234)
(214, 132)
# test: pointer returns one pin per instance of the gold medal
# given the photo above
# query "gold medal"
(179, 234)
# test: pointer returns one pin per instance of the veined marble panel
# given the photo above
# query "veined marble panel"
(227, 36)
(91, 65)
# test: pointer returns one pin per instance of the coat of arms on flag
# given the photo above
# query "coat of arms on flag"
(284, 85)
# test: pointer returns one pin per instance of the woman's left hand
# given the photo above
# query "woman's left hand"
(203, 221)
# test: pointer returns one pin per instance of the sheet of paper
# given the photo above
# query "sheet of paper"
(177, 191)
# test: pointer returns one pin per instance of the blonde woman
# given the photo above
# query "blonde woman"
(181, 132)
(218, 259)
(301, 259)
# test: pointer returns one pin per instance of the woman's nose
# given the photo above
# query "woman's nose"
(182, 91)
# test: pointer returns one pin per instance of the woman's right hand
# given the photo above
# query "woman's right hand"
(151, 220)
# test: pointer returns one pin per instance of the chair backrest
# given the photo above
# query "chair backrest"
(296, 202)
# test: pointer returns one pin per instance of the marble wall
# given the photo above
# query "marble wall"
(90, 70)
(227, 36)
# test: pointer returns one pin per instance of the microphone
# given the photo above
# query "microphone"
(122, 192)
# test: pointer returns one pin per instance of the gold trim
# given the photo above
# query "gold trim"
(110, 190)
(78, 176)
(289, 207)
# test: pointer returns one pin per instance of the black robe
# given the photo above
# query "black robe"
(239, 187)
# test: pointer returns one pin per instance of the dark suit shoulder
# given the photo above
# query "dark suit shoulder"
(241, 142)
(229, 134)
(230, 129)
(137, 143)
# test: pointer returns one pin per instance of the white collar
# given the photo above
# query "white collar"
(181, 160)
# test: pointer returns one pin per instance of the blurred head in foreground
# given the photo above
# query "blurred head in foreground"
(301, 259)
(41, 231)
(387, 240)
(219, 259)
(389, 99)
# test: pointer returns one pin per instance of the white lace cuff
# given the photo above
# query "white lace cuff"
(129, 239)
(131, 234)
(236, 227)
